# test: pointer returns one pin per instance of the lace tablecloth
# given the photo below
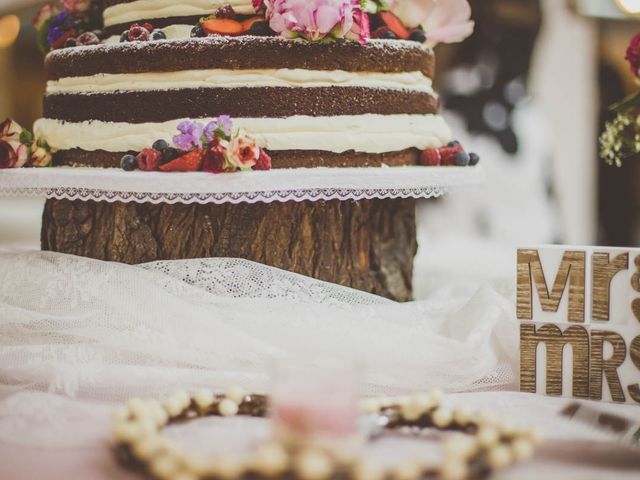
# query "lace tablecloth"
(78, 336)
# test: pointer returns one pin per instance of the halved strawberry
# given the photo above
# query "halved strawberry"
(431, 157)
(246, 24)
(191, 162)
(222, 26)
(395, 25)
(448, 154)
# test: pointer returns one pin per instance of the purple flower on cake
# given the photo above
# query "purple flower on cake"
(190, 135)
(444, 21)
(61, 28)
(223, 124)
(77, 7)
(14, 153)
(317, 19)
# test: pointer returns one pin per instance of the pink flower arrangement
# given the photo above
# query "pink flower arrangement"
(19, 149)
(77, 7)
(215, 147)
(444, 21)
(65, 23)
(317, 19)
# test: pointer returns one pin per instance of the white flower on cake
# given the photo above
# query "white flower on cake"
(444, 21)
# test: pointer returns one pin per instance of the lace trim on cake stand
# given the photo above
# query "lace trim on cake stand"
(313, 184)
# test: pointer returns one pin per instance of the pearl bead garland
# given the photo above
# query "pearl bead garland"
(490, 444)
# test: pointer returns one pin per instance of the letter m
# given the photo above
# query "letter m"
(554, 341)
(571, 271)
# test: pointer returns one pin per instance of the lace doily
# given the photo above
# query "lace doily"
(114, 185)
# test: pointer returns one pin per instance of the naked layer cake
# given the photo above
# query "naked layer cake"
(307, 83)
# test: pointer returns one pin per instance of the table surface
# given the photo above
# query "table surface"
(570, 450)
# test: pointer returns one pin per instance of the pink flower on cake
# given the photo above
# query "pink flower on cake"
(13, 152)
(46, 13)
(215, 158)
(77, 7)
(264, 161)
(361, 29)
(444, 21)
(317, 19)
(243, 152)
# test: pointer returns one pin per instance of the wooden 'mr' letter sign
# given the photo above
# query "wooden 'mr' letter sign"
(593, 305)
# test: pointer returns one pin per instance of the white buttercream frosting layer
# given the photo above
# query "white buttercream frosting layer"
(362, 133)
(124, 13)
(222, 78)
(173, 32)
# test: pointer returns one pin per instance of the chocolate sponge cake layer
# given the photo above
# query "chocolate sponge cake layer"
(239, 53)
(309, 104)
(272, 102)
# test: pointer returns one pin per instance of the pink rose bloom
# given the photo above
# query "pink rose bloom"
(444, 21)
(77, 7)
(45, 13)
(361, 29)
(316, 19)
(13, 153)
(215, 158)
(243, 152)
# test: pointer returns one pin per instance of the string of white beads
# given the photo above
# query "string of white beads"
(228, 408)
(137, 426)
(313, 464)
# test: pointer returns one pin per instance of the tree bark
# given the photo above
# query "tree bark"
(368, 245)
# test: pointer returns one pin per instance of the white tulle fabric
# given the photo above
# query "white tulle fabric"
(115, 185)
(74, 329)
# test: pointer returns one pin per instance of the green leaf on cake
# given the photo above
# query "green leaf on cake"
(26, 137)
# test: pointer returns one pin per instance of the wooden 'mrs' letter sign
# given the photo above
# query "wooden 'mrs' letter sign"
(579, 309)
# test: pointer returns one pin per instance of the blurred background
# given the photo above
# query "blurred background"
(528, 91)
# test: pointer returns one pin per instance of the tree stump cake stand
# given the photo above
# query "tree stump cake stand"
(368, 244)
(356, 229)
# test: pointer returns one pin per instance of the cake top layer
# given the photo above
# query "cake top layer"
(318, 21)
(240, 53)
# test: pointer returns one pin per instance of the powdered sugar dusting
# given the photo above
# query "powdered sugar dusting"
(378, 44)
